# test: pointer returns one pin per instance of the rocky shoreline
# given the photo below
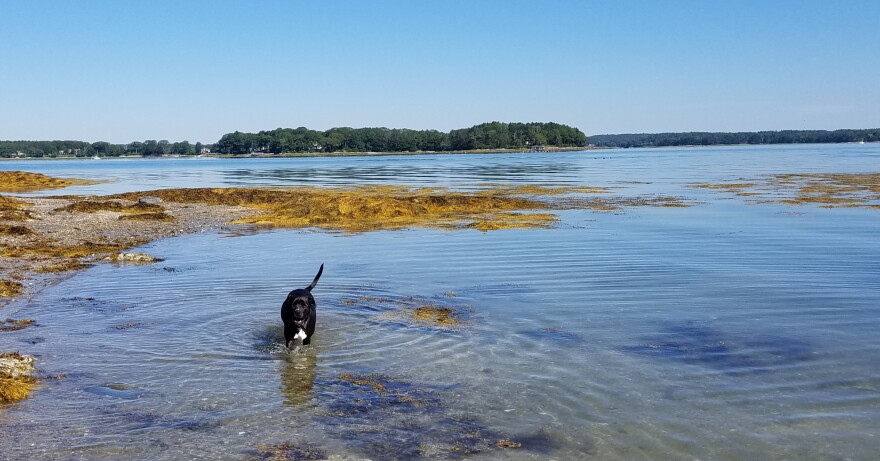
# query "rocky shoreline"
(55, 241)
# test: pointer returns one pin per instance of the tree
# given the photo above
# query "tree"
(136, 148)
(182, 148)
(151, 148)
(101, 147)
(164, 146)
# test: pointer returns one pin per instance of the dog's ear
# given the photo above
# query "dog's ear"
(315, 282)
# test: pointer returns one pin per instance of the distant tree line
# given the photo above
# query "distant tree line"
(760, 137)
(494, 135)
(148, 148)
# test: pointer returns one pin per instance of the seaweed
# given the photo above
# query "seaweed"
(698, 344)
(159, 217)
(387, 417)
(15, 325)
(12, 209)
(826, 190)
(16, 381)
(436, 316)
(23, 181)
(369, 208)
(421, 312)
(93, 206)
(287, 451)
(6, 229)
(10, 288)
(80, 250)
(64, 266)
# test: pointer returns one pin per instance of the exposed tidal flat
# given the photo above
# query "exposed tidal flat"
(662, 304)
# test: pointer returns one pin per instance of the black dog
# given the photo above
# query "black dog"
(298, 313)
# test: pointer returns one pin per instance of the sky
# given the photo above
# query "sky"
(121, 71)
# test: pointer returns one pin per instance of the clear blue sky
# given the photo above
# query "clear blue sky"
(121, 71)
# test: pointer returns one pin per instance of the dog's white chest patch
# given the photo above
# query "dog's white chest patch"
(301, 335)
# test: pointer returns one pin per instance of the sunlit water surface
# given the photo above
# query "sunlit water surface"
(719, 331)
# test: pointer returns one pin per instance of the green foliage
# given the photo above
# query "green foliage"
(12, 149)
(760, 137)
(495, 135)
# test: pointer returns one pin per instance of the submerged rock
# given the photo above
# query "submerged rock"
(698, 344)
(117, 391)
(287, 452)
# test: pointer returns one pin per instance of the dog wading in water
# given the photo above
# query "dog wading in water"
(298, 313)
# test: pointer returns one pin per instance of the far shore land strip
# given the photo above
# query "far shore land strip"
(485, 138)
(44, 240)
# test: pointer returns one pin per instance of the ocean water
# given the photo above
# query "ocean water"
(721, 331)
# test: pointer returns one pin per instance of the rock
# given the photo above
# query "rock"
(133, 258)
(150, 200)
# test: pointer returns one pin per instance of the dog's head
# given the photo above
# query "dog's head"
(302, 307)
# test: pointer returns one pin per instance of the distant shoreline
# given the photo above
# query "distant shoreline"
(547, 150)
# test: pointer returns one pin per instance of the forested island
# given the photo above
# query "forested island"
(709, 139)
(494, 135)
(486, 136)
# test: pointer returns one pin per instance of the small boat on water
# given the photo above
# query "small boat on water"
(96, 158)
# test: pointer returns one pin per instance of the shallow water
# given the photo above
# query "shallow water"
(719, 331)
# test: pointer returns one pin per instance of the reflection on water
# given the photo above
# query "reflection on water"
(298, 376)
(411, 173)
(721, 331)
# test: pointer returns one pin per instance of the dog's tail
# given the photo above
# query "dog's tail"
(315, 282)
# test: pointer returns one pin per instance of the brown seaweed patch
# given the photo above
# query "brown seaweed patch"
(23, 181)
(364, 299)
(80, 250)
(10, 288)
(12, 389)
(422, 312)
(367, 208)
(161, 217)
(535, 189)
(619, 203)
(6, 229)
(499, 221)
(726, 187)
(16, 324)
(436, 316)
(64, 266)
(374, 381)
(129, 325)
(507, 443)
(15, 379)
(12, 209)
(385, 387)
(287, 452)
(94, 206)
(389, 418)
(827, 190)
